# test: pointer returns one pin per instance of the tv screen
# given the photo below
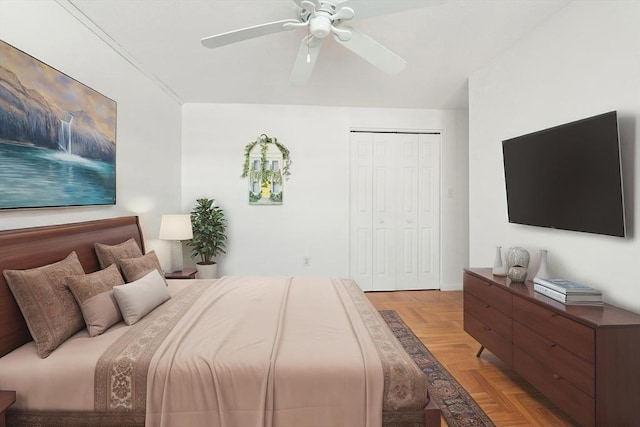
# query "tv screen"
(567, 177)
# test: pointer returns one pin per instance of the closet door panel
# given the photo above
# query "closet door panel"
(361, 210)
(384, 213)
(407, 212)
(429, 212)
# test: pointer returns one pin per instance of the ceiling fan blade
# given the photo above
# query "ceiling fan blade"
(341, 33)
(242, 34)
(299, 3)
(344, 13)
(305, 61)
(373, 52)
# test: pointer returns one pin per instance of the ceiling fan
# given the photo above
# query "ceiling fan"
(323, 18)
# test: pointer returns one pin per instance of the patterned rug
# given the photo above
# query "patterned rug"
(457, 406)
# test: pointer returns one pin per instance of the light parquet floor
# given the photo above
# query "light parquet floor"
(436, 319)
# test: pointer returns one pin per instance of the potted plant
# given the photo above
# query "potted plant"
(209, 227)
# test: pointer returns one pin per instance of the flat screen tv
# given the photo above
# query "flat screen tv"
(567, 177)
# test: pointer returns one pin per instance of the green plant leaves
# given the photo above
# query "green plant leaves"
(209, 231)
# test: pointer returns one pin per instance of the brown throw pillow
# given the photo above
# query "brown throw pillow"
(94, 293)
(111, 254)
(48, 307)
(136, 268)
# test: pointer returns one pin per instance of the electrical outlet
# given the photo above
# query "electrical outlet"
(306, 261)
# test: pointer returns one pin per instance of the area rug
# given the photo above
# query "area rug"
(457, 406)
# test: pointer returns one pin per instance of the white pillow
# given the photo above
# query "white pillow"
(138, 298)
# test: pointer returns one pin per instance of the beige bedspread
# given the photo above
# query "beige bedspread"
(267, 351)
(262, 351)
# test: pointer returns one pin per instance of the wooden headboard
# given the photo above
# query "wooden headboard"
(33, 247)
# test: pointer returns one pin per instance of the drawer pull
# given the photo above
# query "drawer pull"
(487, 306)
(486, 328)
(556, 376)
(553, 344)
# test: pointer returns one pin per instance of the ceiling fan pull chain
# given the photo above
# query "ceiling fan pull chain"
(307, 41)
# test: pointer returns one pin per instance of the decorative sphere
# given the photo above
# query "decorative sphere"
(518, 256)
(517, 274)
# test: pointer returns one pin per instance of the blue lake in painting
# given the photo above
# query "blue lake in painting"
(36, 177)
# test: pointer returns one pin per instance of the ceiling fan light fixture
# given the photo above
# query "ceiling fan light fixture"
(320, 26)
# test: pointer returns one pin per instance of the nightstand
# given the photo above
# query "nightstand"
(187, 273)
(7, 398)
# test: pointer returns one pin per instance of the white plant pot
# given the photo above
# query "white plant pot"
(207, 271)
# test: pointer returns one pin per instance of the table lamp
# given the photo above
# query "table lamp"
(176, 228)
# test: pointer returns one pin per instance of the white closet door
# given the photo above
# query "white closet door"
(407, 212)
(384, 212)
(393, 226)
(429, 211)
(361, 210)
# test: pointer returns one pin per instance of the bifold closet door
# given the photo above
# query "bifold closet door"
(394, 219)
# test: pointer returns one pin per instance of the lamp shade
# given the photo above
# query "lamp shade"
(176, 227)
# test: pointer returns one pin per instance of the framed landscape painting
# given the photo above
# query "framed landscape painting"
(57, 137)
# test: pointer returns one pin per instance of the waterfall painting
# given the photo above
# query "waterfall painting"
(57, 137)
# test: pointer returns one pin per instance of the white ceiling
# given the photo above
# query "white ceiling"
(443, 44)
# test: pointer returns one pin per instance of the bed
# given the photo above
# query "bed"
(308, 371)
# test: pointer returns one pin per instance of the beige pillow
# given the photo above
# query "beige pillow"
(138, 298)
(94, 294)
(135, 268)
(111, 254)
(48, 307)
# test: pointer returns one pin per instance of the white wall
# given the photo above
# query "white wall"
(148, 123)
(314, 218)
(581, 62)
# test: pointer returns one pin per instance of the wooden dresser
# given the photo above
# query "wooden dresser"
(584, 359)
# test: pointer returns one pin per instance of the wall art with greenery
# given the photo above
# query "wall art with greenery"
(267, 165)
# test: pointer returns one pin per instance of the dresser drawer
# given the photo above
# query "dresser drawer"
(488, 315)
(572, 400)
(557, 328)
(489, 338)
(556, 358)
(488, 292)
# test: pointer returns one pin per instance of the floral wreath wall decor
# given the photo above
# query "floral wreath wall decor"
(266, 164)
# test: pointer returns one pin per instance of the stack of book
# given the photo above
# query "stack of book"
(568, 292)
